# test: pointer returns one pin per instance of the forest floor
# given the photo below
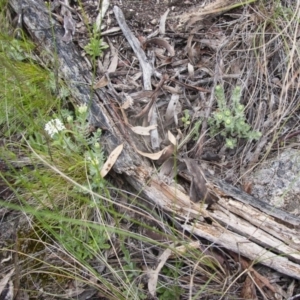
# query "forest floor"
(225, 94)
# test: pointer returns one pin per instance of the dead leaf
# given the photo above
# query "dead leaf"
(101, 14)
(141, 96)
(143, 130)
(191, 71)
(111, 160)
(160, 42)
(259, 279)
(190, 49)
(111, 30)
(128, 101)
(172, 90)
(171, 112)
(248, 291)
(185, 248)
(162, 23)
(167, 170)
(172, 138)
(156, 155)
(169, 150)
(6, 287)
(192, 87)
(198, 189)
(113, 63)
(153, 274)
(102, 82)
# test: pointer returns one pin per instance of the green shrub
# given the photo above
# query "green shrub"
(230, 121)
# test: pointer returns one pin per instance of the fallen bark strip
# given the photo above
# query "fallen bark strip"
(230, 219)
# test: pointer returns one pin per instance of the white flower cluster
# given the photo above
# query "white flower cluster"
(54, 126)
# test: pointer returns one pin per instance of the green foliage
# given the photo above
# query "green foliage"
(15, 49)
(96, 45)
(74, 139)
(83, 241)
(196, 129)
(194, 132)
(231, 121)
(186, 119)
(130, 266)
(57, 88)
(24, 94)
(164, 292)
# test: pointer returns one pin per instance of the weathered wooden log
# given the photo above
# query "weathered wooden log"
(237, 222)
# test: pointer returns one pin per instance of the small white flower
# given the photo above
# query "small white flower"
(54, 126)
(82, 109)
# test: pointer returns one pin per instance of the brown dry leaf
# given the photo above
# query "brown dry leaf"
(111, 30)
(167, 169)
(260, 280)
(162, 23)
(128, 101)
(168, 151)
(111, 160)
(191, 71)
(6, 286)
(153, 156)
(172, 90)
(143, 130)
(141, 96)
(106, 61)
(153, 274)
(102, 82)
(160, 42)
(172, 109)
(248, 291)
(190, 49)
(198, 189)
(184, 248)
(155, 235)
(172, 138)
(113, 63)
(101, 14)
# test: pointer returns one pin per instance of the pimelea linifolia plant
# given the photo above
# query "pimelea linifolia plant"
(74, 136)
(230, 120)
